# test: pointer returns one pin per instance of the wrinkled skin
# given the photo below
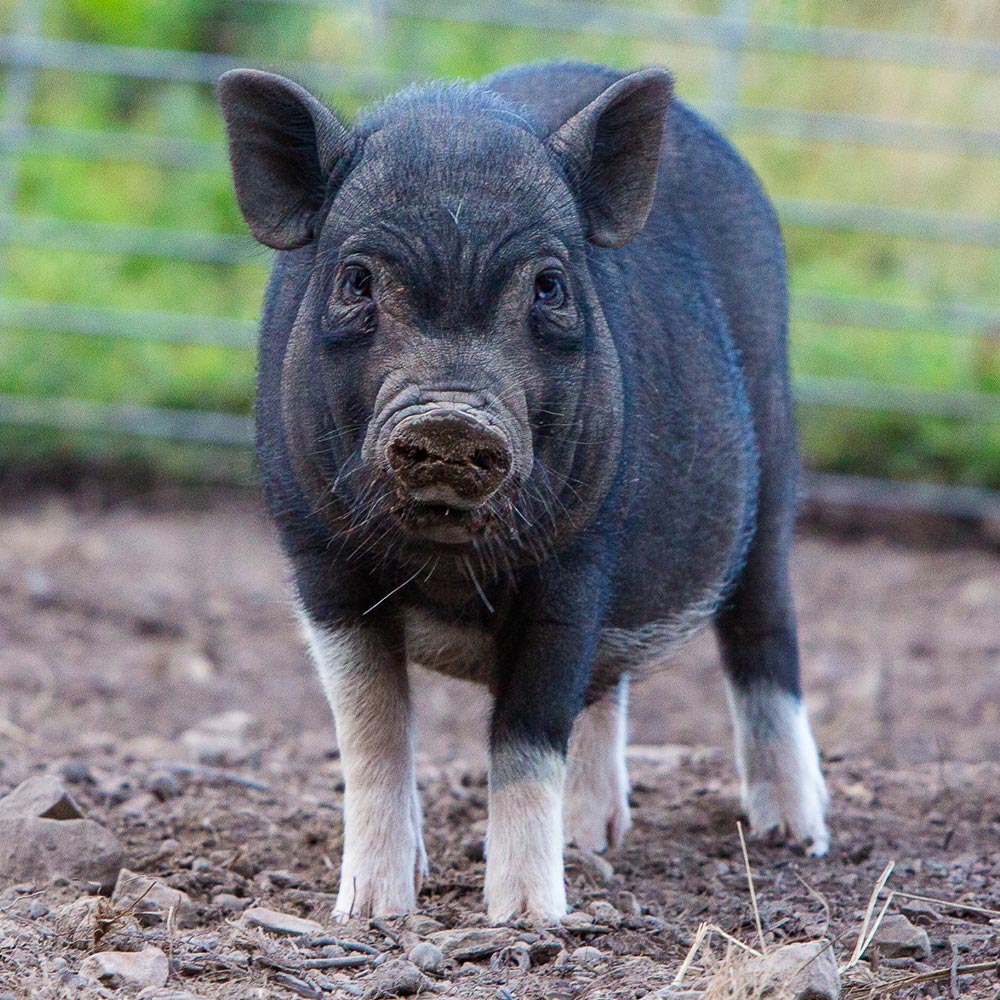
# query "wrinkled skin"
(523, 417)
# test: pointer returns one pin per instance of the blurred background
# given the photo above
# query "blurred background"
(129, 287)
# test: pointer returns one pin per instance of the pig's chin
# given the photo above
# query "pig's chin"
(443, 525)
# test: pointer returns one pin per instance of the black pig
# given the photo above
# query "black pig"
(523, 417)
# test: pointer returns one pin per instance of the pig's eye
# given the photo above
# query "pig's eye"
(356, 282)
(550, 288)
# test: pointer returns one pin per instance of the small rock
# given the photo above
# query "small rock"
(229, 903)
(140, 806)
(148, 967)
(858, 793)
(396, 978)
(474, 848)
(39, 586)
(280, 923)
(579, 920)
(76, 772)
(41, 797)
(93, 920)
(221, 740)
(544, 950)
(918, 911)
(37, 909)
(514, 960)
(470, 943)
(407, 940)
(896, 937)
(151, 900)
(803, 971)
(587, 956)
(420, 923)
(163, 785)
(281, 878)
(605, 914)
(427, 957)
(38, 850)
(628, 904)
(594, 869)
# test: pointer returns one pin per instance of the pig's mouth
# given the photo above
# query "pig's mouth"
(442, 524)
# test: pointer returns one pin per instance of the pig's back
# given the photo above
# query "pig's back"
(704, 331)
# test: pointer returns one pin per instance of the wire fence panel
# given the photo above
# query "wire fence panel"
(132, 247)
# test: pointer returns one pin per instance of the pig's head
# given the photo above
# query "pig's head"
(450, 373)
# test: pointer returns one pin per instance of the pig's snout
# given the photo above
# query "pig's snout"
(449, 457)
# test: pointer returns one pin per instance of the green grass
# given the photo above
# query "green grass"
(852, 265)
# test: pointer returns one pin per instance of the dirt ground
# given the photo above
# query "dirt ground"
(124, 625)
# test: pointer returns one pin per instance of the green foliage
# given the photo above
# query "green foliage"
(346, 38)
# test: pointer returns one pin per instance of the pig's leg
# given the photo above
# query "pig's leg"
(781, 783)
(368, 690)
(544, 671)
(596, 813)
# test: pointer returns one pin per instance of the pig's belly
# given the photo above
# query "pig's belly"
(468, 653)
(461, 651)
(632, 650)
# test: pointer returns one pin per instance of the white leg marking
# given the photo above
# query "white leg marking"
(781, 784)
(524, 843)
(383, 846)
(596, 814)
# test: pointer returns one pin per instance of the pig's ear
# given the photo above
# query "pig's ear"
(611, 150)
(284, 146)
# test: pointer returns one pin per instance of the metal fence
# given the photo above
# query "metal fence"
(730, 35)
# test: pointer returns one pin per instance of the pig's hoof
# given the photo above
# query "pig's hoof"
(598, 820)
(381, 887)
(359, 900)
(794, 810)
(546, 908)
(529, 891)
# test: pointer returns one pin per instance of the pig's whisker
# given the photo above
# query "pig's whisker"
(395, 590)
(479, 590)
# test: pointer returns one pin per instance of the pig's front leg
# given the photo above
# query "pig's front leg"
(367, 687)
(543, 678)
(596, 814)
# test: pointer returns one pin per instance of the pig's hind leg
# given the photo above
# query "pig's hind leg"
(781, 784)
(596, 812)
(368, 690)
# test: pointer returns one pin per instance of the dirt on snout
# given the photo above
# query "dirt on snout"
(150, 667)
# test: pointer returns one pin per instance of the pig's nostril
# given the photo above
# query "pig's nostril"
(487, 460)
(411, 453)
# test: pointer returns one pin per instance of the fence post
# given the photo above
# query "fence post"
(725, 85)
(26, 22)
(379, 14)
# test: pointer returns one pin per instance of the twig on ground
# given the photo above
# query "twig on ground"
(320, 942)
(753, 892)
(343, 962)
(864, 939)
(381, 927)
(822, 901)
(948, 902)
(298, 986)
(936, 975)
(213, 774)
(702, 934)
(690, 956)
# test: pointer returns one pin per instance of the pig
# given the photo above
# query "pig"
(523, 417)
